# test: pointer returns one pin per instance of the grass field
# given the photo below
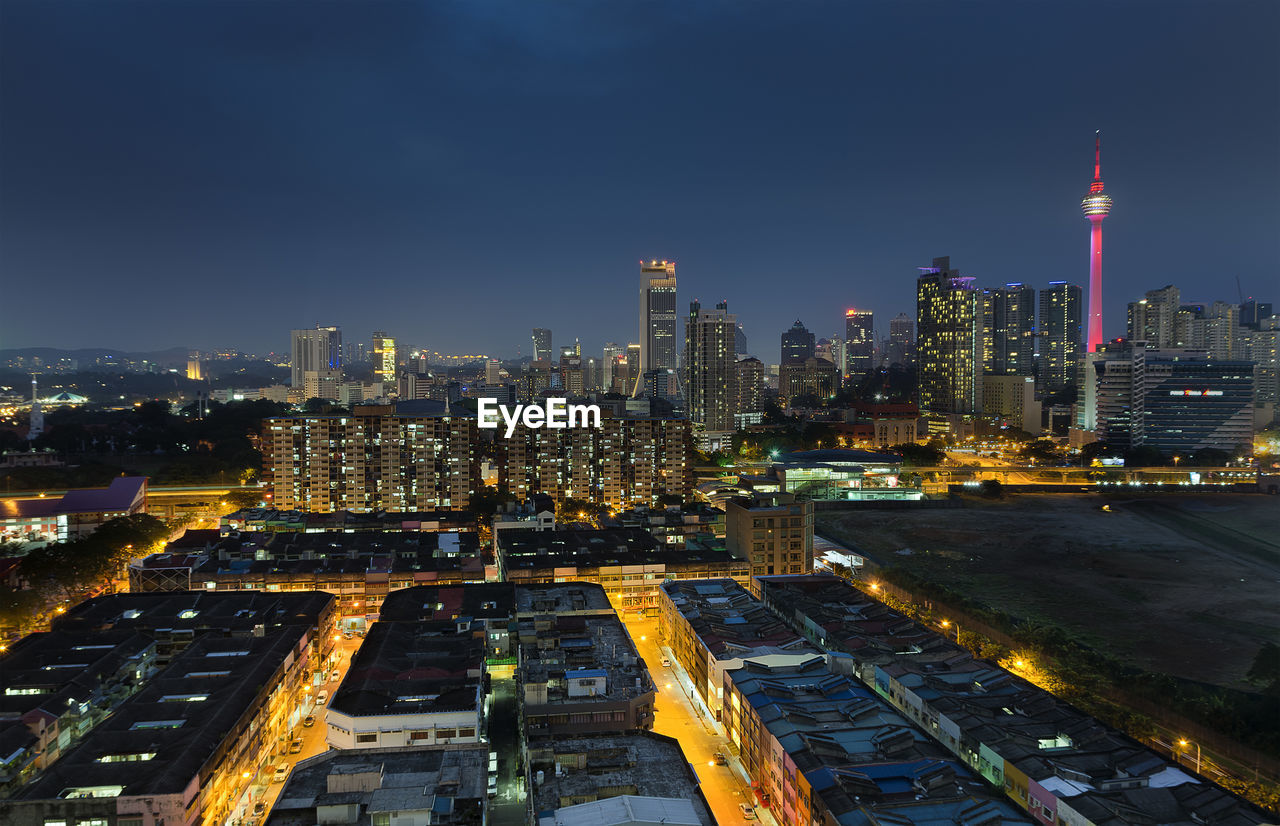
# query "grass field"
(1183, 584)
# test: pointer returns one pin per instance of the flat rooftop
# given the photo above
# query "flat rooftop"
(654, 765)
(527, 550)
(51, 669)
(562, 598)
(446, 603)
(450, 782)
(410, 668)
(729, 621)
(195, 610)
(555, 652)
(161, 737)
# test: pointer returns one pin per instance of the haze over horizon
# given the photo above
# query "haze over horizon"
(215, 174)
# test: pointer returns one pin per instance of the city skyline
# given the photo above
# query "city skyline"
(298, 161)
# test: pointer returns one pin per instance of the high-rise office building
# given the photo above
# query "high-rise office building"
(1008, 330)
(541, 344)
(633, 369)
(1096, 206)
(901, 347)
(815, 377)
(1059, 335)
(613, 356)
(1175, 400)
(798, 343)
(318, 349)
(859, 342)
(658, 345)
(1154, 319)
(949, 343)
(1254, 312)
(1262, 347)
(750, 384)
(711, 367)
(740, 342)
(384, 358)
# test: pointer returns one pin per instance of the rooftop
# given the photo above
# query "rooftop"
(560, 599)
(730, 622)
(195, 610)
(560, 649)
(648, 764)
(450, 783)
(157, 741)
(122, 494)
(411, 668)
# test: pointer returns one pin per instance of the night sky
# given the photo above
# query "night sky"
(214, 174)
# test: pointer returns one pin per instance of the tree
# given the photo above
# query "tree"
(486, 501)
(992, 489)
(914, 455)
(240, 499)
(1265, 670)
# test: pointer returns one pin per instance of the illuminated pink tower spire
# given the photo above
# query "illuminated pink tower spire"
(1096, 206)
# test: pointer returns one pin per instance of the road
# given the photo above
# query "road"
(679, 713)
(265, 789)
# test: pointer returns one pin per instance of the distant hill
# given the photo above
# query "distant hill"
(172, 357)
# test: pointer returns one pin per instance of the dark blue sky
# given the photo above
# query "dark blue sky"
(213, 174)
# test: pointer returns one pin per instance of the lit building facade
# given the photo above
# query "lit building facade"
(949, 313)
(1008, 327)
(410, 456)
(658, 344)
(318, 349)
(1060, 308)
(384, 358)
(798, 343)
(710, 367)
(541, 344)
(859, 342)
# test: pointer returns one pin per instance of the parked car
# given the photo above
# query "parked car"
(309, 721)
(720, 759)
(282, 772)
(666, 663)
(295, 746)
(748, 813)
(259, 808)
(322, 697)
(493, 785)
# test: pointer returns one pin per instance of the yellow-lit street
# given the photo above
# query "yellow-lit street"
(680, 714)
(312, 737)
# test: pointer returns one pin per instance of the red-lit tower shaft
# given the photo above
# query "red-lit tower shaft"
(1096, 206)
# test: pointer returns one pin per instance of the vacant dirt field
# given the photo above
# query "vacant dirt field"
(1185, 584)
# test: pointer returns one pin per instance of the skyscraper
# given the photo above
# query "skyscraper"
(541, 344)
(1154, 319)
(1008, 330)
(384, 358)
(1059, 335)
(859, 342)
(657, 318)
(318, 349)
(710, 367)
(614, 354)
(949, 313)
(902, 341)
(798, 343)
(1096, 206)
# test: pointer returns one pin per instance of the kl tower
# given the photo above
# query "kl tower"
(1096, 206)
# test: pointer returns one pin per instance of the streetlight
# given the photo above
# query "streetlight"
(1184, 744)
